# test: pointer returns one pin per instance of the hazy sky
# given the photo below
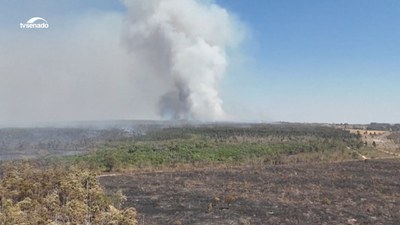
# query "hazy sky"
(305, 61)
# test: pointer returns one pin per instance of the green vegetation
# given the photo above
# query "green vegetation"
(221, 144)
(65, 190)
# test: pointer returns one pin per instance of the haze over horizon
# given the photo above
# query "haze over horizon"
(308, 61)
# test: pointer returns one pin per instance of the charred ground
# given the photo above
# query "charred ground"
(180, 173)
(354, 192)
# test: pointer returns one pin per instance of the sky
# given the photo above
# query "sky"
(298, 61)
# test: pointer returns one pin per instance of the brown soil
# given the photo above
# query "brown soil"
(384, 145)
(337, 193)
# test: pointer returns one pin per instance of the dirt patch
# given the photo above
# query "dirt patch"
(338, 193)
(380, 141)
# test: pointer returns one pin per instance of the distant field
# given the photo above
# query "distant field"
(225, 144)
(35, 142)
(148, 145)
(367, 132)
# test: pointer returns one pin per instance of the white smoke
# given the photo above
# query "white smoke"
(79, 70)
(183, 43)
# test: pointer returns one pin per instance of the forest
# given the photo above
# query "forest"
(223, 144)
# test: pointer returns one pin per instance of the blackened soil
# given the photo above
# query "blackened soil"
(338, 193)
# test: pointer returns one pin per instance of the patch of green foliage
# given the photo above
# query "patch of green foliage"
(217, 144)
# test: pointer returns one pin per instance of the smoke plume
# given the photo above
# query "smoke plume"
(184, 43)
(156, 58)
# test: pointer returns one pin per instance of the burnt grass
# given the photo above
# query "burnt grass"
(355, 192)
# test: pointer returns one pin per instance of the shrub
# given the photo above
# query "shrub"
(59, 195)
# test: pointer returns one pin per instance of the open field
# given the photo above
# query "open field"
(355, 192)
(383, 141)
(225, 173)
(230, 144)
(142, 144)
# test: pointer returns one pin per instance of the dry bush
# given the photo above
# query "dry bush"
(31, 194)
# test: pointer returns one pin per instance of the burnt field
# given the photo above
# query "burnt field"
(354, 192)
(283, 173)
